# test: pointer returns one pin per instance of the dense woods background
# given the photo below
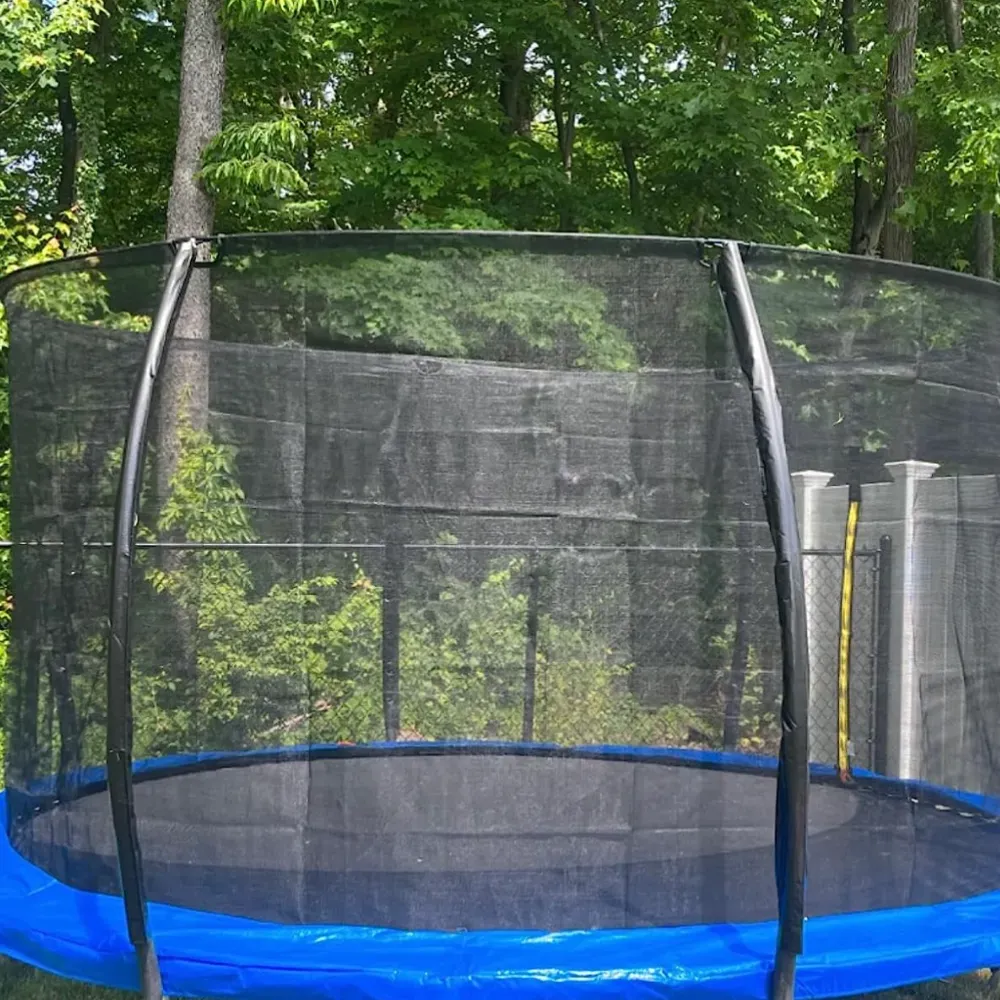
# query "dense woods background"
(862, 125)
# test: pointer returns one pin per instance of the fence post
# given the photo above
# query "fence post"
(883, 627)
(807, 485)
(530, 650)
(903, 736)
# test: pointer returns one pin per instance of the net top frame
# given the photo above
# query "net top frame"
(598, 244)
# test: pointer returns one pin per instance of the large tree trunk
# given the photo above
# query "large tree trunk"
(191, 212)
(900, 124)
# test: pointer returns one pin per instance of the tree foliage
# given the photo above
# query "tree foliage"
(751, 119)
(278, 659)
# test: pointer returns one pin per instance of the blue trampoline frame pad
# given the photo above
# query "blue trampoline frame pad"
(81, 935)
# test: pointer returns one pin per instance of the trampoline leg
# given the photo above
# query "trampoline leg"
(783, 977)
(149, 972)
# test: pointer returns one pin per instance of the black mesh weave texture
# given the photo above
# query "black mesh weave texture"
(441, 489)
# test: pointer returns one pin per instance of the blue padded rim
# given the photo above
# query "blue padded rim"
(82, 935)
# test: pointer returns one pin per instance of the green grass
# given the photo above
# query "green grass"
(17, 982)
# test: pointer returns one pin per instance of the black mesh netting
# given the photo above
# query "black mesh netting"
(420, 514)
(890, 376)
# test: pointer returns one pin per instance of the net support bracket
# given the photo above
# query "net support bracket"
(119, 694)
(791, 806)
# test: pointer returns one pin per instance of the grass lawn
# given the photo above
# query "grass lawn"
(17, 982)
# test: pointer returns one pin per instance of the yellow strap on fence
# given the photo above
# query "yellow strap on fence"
(844, 650)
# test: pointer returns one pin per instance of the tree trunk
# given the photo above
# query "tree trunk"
(386, 110)
(625, 142)
(565, 116)
(92, 94)
(391, 461)
(70, 144)
(740, 658)
(985, 245)
(191, 212)
(901, 126)
(953, 10)
(864, 238)
(634, 184)
(514, 92)
(531, 651)
(867, 215)
(849, 27)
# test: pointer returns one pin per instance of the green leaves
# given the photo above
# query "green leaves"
(299, 659)
(250, 9)
(464, 305)
(252, 164)
(958, 101)
(40, 40)
(691, 118)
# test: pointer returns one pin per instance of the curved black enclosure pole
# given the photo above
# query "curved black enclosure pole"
(793, 759)
(119, 733)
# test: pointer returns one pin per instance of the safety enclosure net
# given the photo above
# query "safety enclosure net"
(454, 602)
(890, 382)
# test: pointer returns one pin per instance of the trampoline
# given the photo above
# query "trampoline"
(405, 615)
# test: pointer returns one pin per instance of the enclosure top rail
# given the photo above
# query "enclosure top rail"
(410, 546)
(429, 547)
(538, 242)
(152, 254)
(222, 243)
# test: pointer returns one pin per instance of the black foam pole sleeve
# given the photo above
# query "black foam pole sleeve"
(791, 808)
(119, 694)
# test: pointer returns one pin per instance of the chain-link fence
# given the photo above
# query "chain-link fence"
(607, 645)
(824, 571)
